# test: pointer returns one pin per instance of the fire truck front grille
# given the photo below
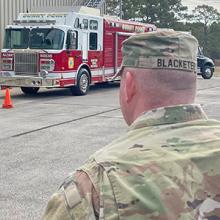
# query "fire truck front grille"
(26, 63)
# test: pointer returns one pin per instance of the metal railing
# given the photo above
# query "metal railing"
(80, 2)
(96, 3)
(90, 3)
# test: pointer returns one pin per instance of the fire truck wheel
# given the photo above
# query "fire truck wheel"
(83, 82)
(29, 90)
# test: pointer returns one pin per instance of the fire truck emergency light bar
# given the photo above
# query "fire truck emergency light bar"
(34, 21)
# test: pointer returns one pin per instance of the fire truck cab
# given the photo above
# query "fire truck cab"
(57, 50)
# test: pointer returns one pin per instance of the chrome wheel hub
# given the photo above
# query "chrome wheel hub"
(84, 82)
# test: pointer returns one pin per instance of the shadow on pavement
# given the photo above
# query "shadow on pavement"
(44, 93)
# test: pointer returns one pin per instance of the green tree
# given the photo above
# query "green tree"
(163, 13)
(205, 15)
(113, 7)
(213, 41)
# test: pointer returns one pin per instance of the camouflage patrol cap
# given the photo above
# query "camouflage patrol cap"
(166, 49)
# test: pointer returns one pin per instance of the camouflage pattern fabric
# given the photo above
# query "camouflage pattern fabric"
(165, 168)
(160, 50)
(72, 201)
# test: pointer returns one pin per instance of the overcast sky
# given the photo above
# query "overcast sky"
(193, 3)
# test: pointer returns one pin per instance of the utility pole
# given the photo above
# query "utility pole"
(121, 11)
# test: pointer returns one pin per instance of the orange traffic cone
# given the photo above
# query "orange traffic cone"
(7, 102)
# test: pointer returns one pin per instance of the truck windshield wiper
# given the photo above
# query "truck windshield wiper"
(9, 50)
(43, 50)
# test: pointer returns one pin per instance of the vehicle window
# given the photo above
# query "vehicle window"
(16, 38)
(93, 41)
(72, 39)
(200, 51)
(93, 25)
(46, 38)
(85, 23)
(76, 23)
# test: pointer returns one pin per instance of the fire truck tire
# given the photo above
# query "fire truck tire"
(29, 90)
(83, 83)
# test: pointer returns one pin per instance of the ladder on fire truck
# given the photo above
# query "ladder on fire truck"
(90, 3)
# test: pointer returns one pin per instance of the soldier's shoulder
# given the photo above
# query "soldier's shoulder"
(68, 203)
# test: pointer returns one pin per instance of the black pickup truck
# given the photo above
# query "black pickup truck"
(205, 65)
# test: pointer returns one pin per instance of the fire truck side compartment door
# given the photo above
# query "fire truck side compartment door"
(85, 46)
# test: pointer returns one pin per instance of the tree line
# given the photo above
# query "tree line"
(203, 22)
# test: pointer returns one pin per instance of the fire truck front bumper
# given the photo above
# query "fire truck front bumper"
(23, 81)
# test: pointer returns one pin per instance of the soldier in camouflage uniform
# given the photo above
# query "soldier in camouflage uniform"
(167, 166)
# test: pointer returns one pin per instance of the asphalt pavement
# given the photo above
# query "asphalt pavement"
(46, 136)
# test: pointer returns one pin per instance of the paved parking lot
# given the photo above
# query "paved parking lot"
(45, 137)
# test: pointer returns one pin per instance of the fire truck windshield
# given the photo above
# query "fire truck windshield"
(46, 38)
(36, 38)
(16, 38)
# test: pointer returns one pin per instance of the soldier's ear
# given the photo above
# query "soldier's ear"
(130, 87)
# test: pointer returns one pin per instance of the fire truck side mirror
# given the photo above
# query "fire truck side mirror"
(82, 26)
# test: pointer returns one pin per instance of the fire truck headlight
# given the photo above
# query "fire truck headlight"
(43, 73)
(48, 65)
(7, 64)
(52, 65)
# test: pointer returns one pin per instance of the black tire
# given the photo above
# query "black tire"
(30, 90)
(207, 72)
(83, 83)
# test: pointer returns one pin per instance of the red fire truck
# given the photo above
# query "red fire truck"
(57, 50)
